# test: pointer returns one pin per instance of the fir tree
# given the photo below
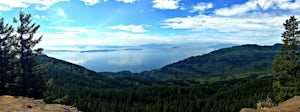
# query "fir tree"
(286, 63)
(30, 81)
(6, 54)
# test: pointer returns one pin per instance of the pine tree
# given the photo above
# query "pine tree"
(30, 81)
(6, 54)
(286, 63)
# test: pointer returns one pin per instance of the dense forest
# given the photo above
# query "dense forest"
(223, 80)
(223, 64)
(125, 91)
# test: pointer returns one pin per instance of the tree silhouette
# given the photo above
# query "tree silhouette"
(6, 54)
(27, 41)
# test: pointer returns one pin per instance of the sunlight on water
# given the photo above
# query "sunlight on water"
(134, 59)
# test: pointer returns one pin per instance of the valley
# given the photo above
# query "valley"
(162, 89)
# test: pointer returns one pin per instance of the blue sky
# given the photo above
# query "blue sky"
(134, 22)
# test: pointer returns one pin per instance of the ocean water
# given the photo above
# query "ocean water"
(121, 58)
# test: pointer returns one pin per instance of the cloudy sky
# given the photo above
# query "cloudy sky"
(133, 22)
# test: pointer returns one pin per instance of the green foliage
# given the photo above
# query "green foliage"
(224, 64)
(19, 71)
(239, 96)
(6, 56)
(286, 63)
(30, 82)
(222, 96)
(124, 91)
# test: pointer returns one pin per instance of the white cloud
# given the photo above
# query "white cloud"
(60, 12)
(225, 24)
(200, 7)
(13, 4)
(90, 2)
(130, 28)
(237, 9)
(41, 17)
(253, 5)
(76, 30)
(285, 4)
(41, 8)
(43, 2)
(166, 4)
(65, 35)
(251, 28)
(6, 5)
(277, 4)
(126, 1)
(60, 16)
(4, 8)
(182, 8)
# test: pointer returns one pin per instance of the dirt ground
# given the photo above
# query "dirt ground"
(23, 104)
(291, 105)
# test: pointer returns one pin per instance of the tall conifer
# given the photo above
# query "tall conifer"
(286, 63)
(6, 54)
(25, 34)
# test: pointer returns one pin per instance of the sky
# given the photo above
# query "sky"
(136, 22)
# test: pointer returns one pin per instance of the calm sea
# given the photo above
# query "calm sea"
(134, 59)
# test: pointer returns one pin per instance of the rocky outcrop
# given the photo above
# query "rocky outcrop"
(23, 104)
(291, 105)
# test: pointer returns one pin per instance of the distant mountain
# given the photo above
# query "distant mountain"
(222, 45)
(207, 45)
(109, 48)
(156, 45)
(104, 50)
(65, 74)
(133, 49)
(224, 64)
(48, 50)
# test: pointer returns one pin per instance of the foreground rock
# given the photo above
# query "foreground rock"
(23, 104)
(291, 105)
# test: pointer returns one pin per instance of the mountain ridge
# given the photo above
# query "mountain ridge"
(202, 66)
(254, 58)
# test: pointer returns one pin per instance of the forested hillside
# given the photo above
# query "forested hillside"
(224, 64)
(124, 91)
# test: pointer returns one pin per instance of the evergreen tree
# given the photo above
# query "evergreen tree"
(286, 63)
(30, 80)
(6, 54)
